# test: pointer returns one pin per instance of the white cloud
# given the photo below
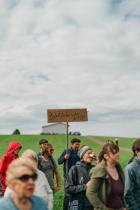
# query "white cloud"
(70, 54)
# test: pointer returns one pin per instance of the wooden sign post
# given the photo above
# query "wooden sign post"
(67, 115)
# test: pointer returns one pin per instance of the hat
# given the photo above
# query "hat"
(82, 151)
(75, 140)
(43, 141)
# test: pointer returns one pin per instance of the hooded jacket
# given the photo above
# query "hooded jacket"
(7, 159)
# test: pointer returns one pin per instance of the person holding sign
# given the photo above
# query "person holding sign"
(68, 158)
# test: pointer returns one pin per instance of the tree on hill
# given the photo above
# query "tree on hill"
(16, 132)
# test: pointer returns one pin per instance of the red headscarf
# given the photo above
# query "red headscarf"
(7, 159)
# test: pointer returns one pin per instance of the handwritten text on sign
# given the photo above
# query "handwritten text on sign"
(67, 115)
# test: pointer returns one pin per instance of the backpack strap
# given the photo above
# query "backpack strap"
(75, 175)
(53, 163)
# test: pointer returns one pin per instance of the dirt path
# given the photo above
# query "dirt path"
(93, 138)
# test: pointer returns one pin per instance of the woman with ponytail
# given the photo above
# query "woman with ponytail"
(106, 187)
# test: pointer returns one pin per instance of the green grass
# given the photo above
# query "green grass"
(59, 144)
(123, 141)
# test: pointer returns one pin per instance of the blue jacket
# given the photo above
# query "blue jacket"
(132, 184)
(7, 203)
(72, 159)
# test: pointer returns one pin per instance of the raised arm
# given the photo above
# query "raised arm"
(61, 159)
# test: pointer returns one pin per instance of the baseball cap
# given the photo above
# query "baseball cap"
(43, 141)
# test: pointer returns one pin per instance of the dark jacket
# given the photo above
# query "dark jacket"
(76, 182)
(99, 188)
(6, 160)
(71, 161)
(132, 184)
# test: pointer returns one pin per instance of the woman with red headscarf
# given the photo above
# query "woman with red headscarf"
(12, 153)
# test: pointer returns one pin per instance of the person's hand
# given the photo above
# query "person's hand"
(67, 156)
(94, 156)
(87, 184)
(57, 188)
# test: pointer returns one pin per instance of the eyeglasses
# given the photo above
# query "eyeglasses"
(26, 177)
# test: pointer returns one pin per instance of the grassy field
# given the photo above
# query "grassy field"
(59, 143)
(123, 142)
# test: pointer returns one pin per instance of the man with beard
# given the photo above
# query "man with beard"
(47, 164)
(68, 158)
(42, 144)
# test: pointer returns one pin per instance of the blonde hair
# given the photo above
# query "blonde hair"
(15, 165)
(29, 153)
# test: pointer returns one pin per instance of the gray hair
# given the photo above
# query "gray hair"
(29, 153)
(16, 164)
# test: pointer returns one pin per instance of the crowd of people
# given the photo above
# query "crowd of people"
(91, 182)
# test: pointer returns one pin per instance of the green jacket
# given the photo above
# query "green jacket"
(99, 188)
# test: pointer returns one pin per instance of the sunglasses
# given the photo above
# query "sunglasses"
(51, 150)
(26, 177)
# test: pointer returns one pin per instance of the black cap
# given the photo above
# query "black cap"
(75, 140)
(43, 141)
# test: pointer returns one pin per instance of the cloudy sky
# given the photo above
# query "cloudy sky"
(70, 54)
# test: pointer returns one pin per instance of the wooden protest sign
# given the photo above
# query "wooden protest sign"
(67, 115)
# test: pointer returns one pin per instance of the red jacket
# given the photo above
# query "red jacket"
(6, 160)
